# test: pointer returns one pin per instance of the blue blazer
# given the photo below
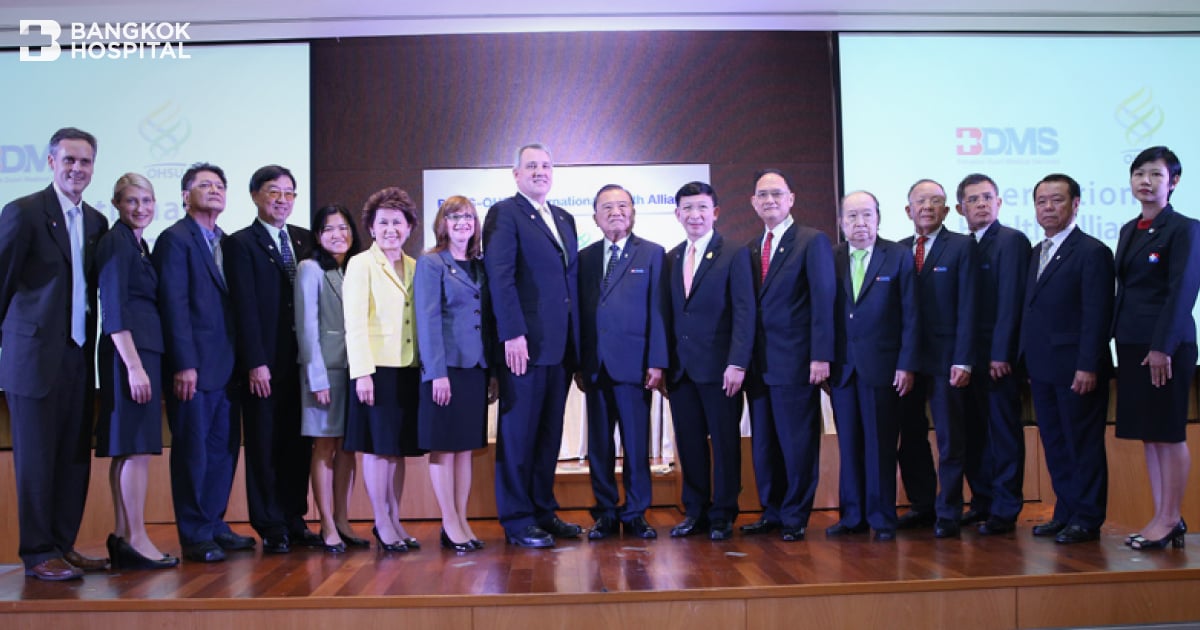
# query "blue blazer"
(1067, 311)
(1003, 258)
(263, 295)
(795, 306)
(712, 327)
(946, 293)
(35, 290)
(129, 288)
(877, 330)
(193, 301)
(622, 327)
(452, 315)
(1158, 276)
(533, 289)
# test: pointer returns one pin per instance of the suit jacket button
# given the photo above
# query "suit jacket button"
(476, 296)
(476, 326)
(476, 311)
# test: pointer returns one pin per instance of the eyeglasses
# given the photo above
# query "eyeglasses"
(455, 218)
(206, 185)
(274, 194)
(764, 195)
(330, 229)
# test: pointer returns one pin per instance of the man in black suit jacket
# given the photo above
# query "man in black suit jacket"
(261, 267)
(711, 291)
(532, 264)
(875, 361)
(793, 345)
(47, 344)
(198, 332)
(946, 265)
(1064, 340)
(994, 460)
(624, 352)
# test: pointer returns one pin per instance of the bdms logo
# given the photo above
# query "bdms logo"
(1007, 141)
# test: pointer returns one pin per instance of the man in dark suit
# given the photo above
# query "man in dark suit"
(711, 291)
(198, 331)
(624, 352)
(994, 461)
(1068, 308)
(946, 264)
(47, 345)
(793, 345)
(875, 360)
(532, 266)
(261, 267)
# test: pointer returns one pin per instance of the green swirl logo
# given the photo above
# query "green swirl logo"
(165, 130)
(1140, 117)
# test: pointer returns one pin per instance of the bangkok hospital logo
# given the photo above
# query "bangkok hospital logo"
(105, 40)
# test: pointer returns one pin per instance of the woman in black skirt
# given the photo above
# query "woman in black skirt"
(452, 312)
(1158, 276)
(130, 424)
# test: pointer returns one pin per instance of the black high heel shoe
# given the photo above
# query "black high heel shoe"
(114, 560)
(350, 539)
(126, 557)
(396, 546)
(339, 547)
(477, 544)
(1175, 538)
(455, 546)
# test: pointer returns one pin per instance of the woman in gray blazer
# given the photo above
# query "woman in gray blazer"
(324, 372)
(452, 331)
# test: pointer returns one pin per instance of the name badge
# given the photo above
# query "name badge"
(637, 270)
(939, 270)
(883, 278)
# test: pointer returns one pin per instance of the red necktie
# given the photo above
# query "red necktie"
(766, 256)
(920, 255)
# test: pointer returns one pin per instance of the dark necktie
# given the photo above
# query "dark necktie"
(920, 254)
(285, 252)
(766, 256)
(614, 253)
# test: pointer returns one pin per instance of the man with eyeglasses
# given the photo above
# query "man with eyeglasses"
(261, 266)
(793, 345)
(198, 332)
(994, 460)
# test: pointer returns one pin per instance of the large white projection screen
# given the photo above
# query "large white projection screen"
(1017, 108)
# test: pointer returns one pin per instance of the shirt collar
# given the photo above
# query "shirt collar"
(620, 244)
(64, 201)
(533, 203)
(979, 234)
(778, 230)
(1058, 239)
(271, 229)
(701, 244)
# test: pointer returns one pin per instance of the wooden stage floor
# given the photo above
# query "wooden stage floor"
(749, 582)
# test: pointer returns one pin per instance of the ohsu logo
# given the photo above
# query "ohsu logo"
(1007, 141)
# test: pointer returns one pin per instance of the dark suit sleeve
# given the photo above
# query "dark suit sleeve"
(964, 338)
(239, 274)
(15, 236)
(741, 297)
(171, 262)
(114, 284)
(427, 299)
(1012, 267)
(1096, 287)
(910, 317)
(1183, 281)
(500, 245)
(658, 356)
(822, 283)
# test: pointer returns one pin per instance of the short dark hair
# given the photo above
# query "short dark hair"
(71, 133)
(1174, 166)
(1072, 185)
(773, 171)
(189, 175)
(607, 187)
(971, 180)
(691, 189)
(268, 173)
(441, 234)
(320, 254)
(391, 198)
(925, 180)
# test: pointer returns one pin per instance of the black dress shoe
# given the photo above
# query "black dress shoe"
(640, 528)
(276, 544)
(348, 537)
(946, 528)
(1049, 528)
(1072, 534)
(688, 526)
(885, 535)
(995, 525)
(915, 520)
(604, 527)
(306, 538)
(398, 546)
(531, 537)
(203, 552)
(558, 528)
(457, 547)
(792, 534)
(838, 529)
(129, 558)
(761, 526)
(230, 541)
(720, 530)
(974, 516)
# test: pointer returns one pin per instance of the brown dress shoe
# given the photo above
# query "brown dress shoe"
(83, 562)
(54, 570)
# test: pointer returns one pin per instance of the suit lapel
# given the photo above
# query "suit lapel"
(1060, 256)
(783, 250)
(622, 265)
(707, 260)
(935, 252)
(209, 262)
(267, 243)
(454, 270)
(333, 277)
(56, 221)
(388, 268)
(878, 257)
(1152, 239)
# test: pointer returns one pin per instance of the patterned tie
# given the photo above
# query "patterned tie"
(285, 251)
(858, 270)
(548, 218)
(689, 269)
(214, 243)
(920, 255)
(1044, 258)
(765, 264)
(78, 282)
(614, 253)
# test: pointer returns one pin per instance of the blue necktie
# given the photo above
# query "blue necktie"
(614, 253)
(78, 281)
(285, 250)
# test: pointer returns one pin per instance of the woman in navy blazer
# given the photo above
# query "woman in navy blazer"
(452, 310)
(130, 425)
(1158, 276)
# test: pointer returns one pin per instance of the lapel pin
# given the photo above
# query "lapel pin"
(1153, 257)
(1151, 230)
(708, 255)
